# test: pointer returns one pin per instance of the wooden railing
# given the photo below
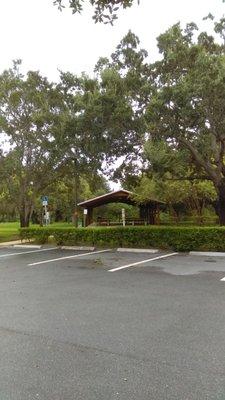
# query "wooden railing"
(128, 221)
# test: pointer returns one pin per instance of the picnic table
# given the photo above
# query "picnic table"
(128, 221)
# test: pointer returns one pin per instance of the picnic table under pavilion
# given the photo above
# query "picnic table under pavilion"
(148, 211)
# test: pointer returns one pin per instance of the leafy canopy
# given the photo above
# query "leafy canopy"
(187, 107)
(104, 10)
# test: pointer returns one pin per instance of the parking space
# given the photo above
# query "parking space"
(112, 260)
(70, 329)
(14, 252)
(185, 265)
(106, 259)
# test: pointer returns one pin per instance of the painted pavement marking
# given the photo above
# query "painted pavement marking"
(27, 252)
(141, 262)
(68, 257)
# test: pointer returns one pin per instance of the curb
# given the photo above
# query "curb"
(207, 253)
(27, 246)
(127, 250)
(79, 248)
(15, 242)
(3, 244)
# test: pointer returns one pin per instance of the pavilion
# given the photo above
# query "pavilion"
(149, 211)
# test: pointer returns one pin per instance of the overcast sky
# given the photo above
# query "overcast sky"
(47, 39)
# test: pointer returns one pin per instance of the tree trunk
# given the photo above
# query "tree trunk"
(221, 203)
(24, 221)
(173, 214)
(25, 214)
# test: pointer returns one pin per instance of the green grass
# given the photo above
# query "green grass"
(9, 230)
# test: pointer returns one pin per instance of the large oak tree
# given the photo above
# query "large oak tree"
(187, 106)
(29, 110)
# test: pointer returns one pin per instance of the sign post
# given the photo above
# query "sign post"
(85, 217)
(123, 217)
(46, 218)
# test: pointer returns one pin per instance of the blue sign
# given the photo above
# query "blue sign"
(44, 198)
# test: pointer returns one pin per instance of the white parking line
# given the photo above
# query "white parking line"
(223, 279)
(27, 252)
(67, 257)
(141, 262)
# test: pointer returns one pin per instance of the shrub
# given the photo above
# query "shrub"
(40, 235)
(164, 237)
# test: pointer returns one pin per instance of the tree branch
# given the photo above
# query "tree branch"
(212, 173)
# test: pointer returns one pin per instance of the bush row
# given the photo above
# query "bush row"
(175, 238)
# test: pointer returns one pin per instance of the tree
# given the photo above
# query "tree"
(80, 141)
(104, 10)
(191, 196)
(187, 106)
(28, 112)
(124, 90)
(7, 203)
(61, 195)
(102, 121)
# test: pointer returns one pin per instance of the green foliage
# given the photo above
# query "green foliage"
(9, 231)
(41, 235)
(183, 217)
(113, 211)
(28, 115)
(187, 107)
(124, 88)
(51, 136)
(62, 197)
(164, 158)
(175, 238)
(62, 135)
(104, 10)
(194, 194)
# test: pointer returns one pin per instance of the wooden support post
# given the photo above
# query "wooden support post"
(89, 218)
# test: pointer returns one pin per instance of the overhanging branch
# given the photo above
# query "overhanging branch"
(211, 172)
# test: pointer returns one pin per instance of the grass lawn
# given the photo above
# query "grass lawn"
(9, 230)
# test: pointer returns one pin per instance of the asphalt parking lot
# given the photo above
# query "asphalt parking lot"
(73, 329)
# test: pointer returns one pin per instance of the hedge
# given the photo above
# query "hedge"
(164, 237)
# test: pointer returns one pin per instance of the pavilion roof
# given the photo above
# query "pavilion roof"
(118, 196)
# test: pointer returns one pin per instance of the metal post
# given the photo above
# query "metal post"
(75, 193)
(45, 215)
(123, 217)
